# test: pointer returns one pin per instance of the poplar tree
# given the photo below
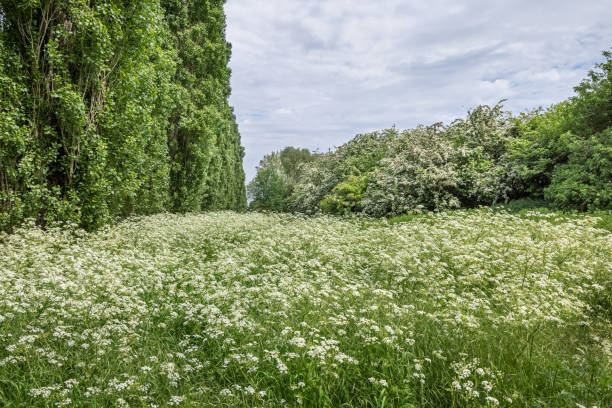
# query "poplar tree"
(111, 108)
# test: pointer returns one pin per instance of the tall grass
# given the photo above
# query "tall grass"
(455, 309)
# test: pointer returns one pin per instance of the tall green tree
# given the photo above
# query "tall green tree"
(114, 107)
(96, 77)
(204, 142)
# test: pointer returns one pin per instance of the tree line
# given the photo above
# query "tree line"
(559, 157)
(111, 107)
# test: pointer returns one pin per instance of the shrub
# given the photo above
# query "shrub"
(346, 196)
(479, 153)
(585, 181)
(419, 175)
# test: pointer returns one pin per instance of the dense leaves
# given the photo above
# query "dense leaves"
(562, 155)
(276, 177)
(110, 108)
(203, 139)
(565, 153)
(430, 167)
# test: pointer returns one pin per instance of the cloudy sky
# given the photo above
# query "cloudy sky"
(313, 73)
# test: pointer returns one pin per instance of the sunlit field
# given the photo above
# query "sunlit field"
(457, 309)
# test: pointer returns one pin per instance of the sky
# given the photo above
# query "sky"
(314, 73)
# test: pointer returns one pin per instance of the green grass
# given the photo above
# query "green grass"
(455, 309)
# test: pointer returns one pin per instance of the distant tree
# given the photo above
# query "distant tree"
(270, 188)
(291, 160)
(276, 176)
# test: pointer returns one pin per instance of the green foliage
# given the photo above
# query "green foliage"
(92, 96)
(276, 177)
(363, 152)
(346, 196)
(17, 172)
(292, 159)
(541, 145)
(564, 154)
(270, 188)
(593, 102)
(561, 157)
(585, 181)
(204, 143)
(358, 157)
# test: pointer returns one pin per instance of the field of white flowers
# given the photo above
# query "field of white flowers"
(457, 309)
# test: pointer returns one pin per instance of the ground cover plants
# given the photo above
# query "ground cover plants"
(457, 309)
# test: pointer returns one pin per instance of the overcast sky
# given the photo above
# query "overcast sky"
(314, 73)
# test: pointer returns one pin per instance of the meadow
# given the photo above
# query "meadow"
(475, 308)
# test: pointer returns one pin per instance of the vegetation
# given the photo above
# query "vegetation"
(111, 108)
(119, 108)
(562, 156)
(203, 138)
(456, 309)
(276, 177)
(566, 153)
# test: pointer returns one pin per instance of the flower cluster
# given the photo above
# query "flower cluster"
(278, 310)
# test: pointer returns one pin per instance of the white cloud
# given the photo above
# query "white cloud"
(313, 73)
(282, 112)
